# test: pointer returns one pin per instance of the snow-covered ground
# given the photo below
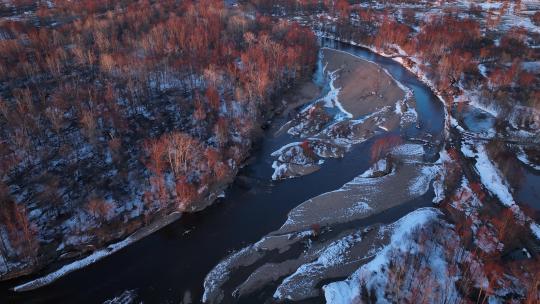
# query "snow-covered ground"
(374, 274)
(220, 274)
(331, 255)
(328, 255)
(66, 269)
(489, 174)
(95, 256)
(535, 228)
(439, 179)
(494, 180)
(331, 99)
(522, 156)
(513, 15)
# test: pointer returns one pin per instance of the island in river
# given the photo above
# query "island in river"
(332, 235)
(359, 101)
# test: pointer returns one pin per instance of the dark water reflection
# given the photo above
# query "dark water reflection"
(528, 191)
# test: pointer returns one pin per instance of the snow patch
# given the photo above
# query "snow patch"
(66, 269)
(279, 170)
(332, 255)
(420, 185)
(535, 228)
(490, 175)
(522, 156)
(372, 274)
(331, 99)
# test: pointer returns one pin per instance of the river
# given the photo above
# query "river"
(175, 259)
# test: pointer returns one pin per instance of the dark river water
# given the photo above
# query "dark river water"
(175, 259)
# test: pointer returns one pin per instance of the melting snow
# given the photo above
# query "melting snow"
(280, 151)
(359, 207)
(535, 228)
(489, 174)
(380, 165)
(372, 273)
(94, 257)
(524, 159)
(279, 170)
(332, 255)
(331, 99)
(420, 185)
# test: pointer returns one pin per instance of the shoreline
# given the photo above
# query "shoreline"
(98, 254)
(359, 93)
(159, 222)
(121, 243)
(397, 58)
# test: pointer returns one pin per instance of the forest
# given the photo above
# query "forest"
(115, 113)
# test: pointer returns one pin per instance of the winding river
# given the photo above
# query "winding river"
(166, 265)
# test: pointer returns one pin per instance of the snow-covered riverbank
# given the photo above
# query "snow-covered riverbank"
(97, 255)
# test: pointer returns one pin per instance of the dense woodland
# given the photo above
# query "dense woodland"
(113, 112)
